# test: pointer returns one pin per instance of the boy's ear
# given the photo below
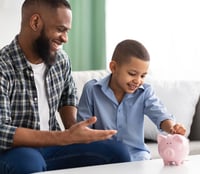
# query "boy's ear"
(113, 65)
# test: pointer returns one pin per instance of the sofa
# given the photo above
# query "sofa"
(180, 97)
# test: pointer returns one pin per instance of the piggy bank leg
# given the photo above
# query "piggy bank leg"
(170, 163)
(166, 163)
(179, 163)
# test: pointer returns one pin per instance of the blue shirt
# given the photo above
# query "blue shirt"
(18, 94)
(126, 117)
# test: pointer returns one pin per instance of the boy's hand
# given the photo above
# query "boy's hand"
(178, 129)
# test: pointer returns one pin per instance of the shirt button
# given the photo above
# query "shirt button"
(35, 99)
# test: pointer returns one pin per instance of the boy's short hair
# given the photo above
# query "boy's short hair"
(130, 48)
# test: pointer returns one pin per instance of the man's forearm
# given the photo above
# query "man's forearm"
(36, 138)
(77, 133)
(68, 115)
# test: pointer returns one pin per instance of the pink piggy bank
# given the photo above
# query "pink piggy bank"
(173, 148)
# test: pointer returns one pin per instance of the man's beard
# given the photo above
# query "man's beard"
(42, 48)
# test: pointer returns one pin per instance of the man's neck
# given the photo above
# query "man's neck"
(28, 50)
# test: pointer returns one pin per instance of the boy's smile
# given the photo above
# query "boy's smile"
(127, 77)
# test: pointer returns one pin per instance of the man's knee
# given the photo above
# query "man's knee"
(22, 161)
(119, 151)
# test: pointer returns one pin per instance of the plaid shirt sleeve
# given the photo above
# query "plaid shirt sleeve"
(7, 131)
(69, 95)
(60, 84)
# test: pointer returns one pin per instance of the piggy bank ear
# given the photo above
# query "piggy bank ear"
(178, 138)
(160, 138)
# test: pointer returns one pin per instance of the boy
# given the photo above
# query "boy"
(120, 100)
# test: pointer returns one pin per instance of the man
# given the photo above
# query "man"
(35, 82)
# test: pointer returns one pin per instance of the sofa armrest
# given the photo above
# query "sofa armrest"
(195, 128)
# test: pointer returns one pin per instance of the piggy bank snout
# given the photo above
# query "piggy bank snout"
(169, 152)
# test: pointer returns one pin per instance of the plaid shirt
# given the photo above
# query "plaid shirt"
(18, 95)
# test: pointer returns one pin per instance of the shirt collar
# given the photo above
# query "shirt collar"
(17, 55)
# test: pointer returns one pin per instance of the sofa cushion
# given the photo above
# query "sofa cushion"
(81, 77)
(153, 147)
(180, 98)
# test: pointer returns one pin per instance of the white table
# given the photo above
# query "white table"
(156, 166)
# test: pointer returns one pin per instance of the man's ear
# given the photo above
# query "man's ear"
(113, 66)
(35, 22)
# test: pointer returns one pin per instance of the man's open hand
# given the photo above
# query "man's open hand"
(81, 133)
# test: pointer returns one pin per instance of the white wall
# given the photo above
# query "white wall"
(170, 30)
(10, 19)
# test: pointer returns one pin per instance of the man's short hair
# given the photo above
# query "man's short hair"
(51, 3)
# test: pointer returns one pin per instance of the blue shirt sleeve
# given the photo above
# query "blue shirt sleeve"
(85, 106)
(154, 108)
